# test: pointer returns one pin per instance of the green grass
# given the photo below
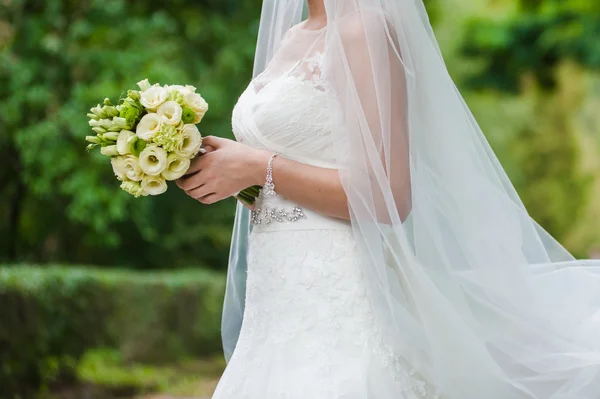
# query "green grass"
(189, 378)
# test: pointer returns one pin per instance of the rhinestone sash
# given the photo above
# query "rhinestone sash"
(277, 213)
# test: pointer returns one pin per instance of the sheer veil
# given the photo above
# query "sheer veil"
(465, 286)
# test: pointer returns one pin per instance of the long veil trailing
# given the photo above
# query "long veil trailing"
(466, 287)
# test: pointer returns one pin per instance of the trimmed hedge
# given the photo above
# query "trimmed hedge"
(50, 316)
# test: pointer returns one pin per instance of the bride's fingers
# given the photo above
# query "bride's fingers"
(212, 141)
(210, 199)
(189, 181)
(200, 192)
(197, 164)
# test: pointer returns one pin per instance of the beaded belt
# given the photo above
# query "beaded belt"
(274, 213)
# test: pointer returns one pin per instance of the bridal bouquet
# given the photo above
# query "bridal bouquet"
(150, 136)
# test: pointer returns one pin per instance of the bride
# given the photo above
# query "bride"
(388, 256)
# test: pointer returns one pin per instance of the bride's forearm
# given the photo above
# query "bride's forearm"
(310, 186)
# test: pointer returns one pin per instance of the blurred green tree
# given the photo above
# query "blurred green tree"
(60, 57)
(532, 51)
(534, 39)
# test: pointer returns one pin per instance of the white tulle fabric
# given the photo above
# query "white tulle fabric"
(444, 286)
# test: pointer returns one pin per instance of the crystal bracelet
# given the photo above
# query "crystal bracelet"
(269, 187)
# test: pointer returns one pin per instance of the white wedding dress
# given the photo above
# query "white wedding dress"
(308, 331)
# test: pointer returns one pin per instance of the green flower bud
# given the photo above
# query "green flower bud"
(112, 136)
(118, 124)
(188, 115)
(99, 129)
(93, 139)
(105, 123)
(134, 95)
(111, 111)
(107, 101)
(98, 111)
(109, 150)
(92, 116)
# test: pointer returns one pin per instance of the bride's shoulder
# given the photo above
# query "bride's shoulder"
(358, 26)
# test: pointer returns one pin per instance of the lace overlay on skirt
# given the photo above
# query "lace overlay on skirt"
(308, 331)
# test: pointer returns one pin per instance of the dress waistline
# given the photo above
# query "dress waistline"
(279, 214)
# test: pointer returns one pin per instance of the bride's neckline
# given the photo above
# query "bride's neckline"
(300, 27)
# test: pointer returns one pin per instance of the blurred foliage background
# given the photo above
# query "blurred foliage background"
(145, 317)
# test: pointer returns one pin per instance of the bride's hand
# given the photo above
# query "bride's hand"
(227, 168)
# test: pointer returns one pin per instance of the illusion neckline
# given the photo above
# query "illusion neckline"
(300, 27)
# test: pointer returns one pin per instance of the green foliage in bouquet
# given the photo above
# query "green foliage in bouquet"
(51, 316)
(131, 109)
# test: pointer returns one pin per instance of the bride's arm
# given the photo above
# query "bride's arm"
(232, 167)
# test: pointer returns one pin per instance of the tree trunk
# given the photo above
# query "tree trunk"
(14, 219)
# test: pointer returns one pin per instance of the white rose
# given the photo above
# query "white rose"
(118, 167)
(154, 97)
(171, 112)
(109, 150)
(144, 85)
(197, 104)
(153, 160)
(123, 143)
(154, 185)
(131, 168)
(190, 143)
(148, 127)
(176, 167)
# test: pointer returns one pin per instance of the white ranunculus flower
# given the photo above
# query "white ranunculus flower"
(154, 185)
(109, 150)
(197, 104)
(131, 168)
(118, 167)
(153, 160)
(148, 126)
(176, 166)
(154, 97)
(171, 112)
(144, 85)
(123, 144)
(191, 142)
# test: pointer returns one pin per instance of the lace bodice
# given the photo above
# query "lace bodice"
(286, 109)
